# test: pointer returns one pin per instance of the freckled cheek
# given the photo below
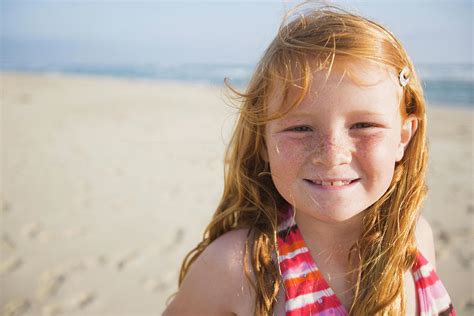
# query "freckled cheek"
(377, 152)
(286, 152)
(375, 144)
(286, 160)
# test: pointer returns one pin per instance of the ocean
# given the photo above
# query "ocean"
(446, 84)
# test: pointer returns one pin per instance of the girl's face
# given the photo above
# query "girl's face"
(334, 155)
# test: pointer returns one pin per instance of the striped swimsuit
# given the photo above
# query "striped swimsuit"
(308, 293)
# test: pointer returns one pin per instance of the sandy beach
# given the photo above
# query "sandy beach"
(108, 183)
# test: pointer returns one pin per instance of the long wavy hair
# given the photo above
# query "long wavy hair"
(309, 39)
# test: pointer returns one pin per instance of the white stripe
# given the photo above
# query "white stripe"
(423, 271)
(443, 302)
(299, 271)
(437, 306)
(293, 254)
(306, 299)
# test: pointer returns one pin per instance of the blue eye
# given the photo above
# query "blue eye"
(363, 125)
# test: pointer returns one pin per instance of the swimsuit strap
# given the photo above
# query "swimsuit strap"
(308, 293)
(433, 299)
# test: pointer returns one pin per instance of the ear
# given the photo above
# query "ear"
(410, 124)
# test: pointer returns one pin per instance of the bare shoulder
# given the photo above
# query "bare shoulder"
(425, 241)
(215, 283)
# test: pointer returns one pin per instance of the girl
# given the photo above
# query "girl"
(324, 180)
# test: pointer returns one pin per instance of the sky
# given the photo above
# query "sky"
(180, 32)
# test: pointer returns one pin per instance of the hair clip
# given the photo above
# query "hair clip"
(403, 79)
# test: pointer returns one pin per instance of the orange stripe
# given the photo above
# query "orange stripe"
(287, 248)
(311, 276)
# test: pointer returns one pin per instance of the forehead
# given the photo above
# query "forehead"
(358, 86)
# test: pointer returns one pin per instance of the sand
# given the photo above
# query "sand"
(108, 183)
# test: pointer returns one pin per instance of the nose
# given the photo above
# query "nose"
(331, 150)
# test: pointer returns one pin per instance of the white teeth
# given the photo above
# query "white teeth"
(335, 183)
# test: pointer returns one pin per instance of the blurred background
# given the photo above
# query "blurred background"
(204, 41)
(114, 124)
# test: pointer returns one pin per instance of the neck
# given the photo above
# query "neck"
(333, 238)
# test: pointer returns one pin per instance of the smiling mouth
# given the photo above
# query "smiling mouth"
(333, 183)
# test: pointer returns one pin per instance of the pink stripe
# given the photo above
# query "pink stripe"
(432, 296)
(298, 259)
(294, 291)
(436, 290)
(296, 270)
(425, 281)
(428, 295)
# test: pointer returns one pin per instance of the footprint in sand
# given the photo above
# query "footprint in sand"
(15, 307)
(159, 284)
(179, 236)
(6, 244)
(59, 273)
(127, 259)
(50, 284)
(31, 230)
(153, 285)
(177, 239)
(466, 233)
(79, 301)
(444, 237)
(95, 261)
(71, 267)
(468, 305)
(442, 246)
(470, 209)
(9, 265)
(6, 207)
(466, 259)
(35, 231)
